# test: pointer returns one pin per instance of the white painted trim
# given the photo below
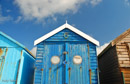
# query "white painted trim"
(69, 27)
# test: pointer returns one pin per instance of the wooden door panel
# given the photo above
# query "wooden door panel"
(78, 73)
(53, 73)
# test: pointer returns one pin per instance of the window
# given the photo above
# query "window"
(55, 60)
(77, 59)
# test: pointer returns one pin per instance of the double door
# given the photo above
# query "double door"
(65, 63)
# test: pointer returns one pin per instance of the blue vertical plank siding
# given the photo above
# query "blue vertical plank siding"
(53, 73)
(66, 72)
(16, 62)
(10, 66)
(79, 73)
(93, 63)
(28, 69)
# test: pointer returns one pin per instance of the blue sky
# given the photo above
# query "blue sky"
(27, 20)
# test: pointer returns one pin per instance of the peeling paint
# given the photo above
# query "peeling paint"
(69, 74)
(81, 75)
(49, 73)
(90, 73)
(57, 76)
(3, 62)
(1, 52)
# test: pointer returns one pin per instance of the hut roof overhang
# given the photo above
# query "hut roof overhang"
(115, 41)
(16, 42)
(87, 37)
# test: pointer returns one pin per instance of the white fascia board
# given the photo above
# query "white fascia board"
(49, 35)
(83, 34)
(69, 27)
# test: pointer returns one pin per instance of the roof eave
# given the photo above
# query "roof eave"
(109, 46)
(69, 27)
(30, 53)
(8, 37)
(48, 35)
(82, 34)
(19, 44)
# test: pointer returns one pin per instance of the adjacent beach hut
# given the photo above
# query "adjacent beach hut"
(114, 61)
(66, 56)
(16, 62)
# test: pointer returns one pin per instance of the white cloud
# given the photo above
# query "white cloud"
(95, 2)
(54, 18)
(127, 2)
(73, 25)
(8, 10)
(3, 18)
(18, 19)
(41, 9)
(101, 48)
(33, 51)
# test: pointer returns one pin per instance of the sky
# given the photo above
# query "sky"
(27, 20)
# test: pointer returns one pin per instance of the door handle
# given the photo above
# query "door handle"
(65, 52)
(65, 62)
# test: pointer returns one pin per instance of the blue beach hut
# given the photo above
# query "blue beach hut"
(16, 62)
(66, 56)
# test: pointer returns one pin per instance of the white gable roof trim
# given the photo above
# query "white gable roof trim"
(69, 27)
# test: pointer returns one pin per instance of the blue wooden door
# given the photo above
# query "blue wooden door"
(77, 63)
(73, 65)
(53, 72)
